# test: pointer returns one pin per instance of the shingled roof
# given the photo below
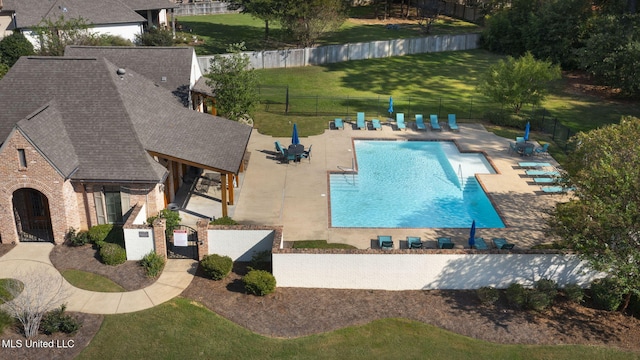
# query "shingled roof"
(30, 13)
(169, 67)
(94, 124)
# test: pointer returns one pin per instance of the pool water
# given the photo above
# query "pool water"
(412, 184)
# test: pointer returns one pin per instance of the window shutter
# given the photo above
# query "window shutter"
(98, 199)
(125, 201)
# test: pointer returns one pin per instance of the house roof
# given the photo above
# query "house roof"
(81, 114)
(30, 13)
(169, 67)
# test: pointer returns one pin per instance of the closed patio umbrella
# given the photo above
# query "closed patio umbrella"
(472, 235)
(390, 110)
(527, 128)
(294, 135)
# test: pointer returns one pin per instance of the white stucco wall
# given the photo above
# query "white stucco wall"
(5, 21)
(141, 218)
(424, 271)
(137, 244)
(239, 245)
(126, 31)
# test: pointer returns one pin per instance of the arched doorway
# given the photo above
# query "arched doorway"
(32, 215)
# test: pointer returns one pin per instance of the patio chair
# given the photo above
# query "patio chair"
(385, 242)
(543, 150)
(435, 125)
(527, 151)
(360, 123)
(376, 124)
(480, 244)
(414, 242)
(502, 244)
(306, 154)
(420, 122)
(338, 123)
(520, 139)
(400, 121)
(445, 243)
(453, 125)
(280, 150)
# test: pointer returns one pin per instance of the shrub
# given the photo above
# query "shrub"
(153, 264)
(225, 220)
(547, 286)
(488, 295)
(14, 46)
(516, 295)
(155, 37)
(172, 220)
(77, 238)
(112, 254)
(5, 320)
(606, 293)
(99, 233)
(574, 293)
(56, 321)
(259, 282)
(260, 260)
(537, 300)
(216, 267)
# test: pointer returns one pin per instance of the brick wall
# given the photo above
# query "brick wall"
(38, 175)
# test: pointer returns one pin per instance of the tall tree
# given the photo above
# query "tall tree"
(308, 20)
(234, 82)
(266, 10)
(602, 223)
(14, 46)
(516, 82)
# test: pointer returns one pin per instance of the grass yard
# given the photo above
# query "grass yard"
(425, 83)
(90, 281)
(196, 332)
(218, 31)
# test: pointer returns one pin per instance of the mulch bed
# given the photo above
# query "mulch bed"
(295, 312)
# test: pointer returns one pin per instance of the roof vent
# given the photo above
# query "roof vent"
(121, 71)
(163, 79)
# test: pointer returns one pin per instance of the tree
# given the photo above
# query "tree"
(611, 52)
(155, 37)
(14, 46)
(234, 82)
(428, 12)
(516, 82)
(31, 296)
(54, 36)
(308, 20)
(4, 69)
(266, 10)
(602, 223)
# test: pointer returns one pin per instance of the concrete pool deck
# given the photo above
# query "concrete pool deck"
(295, 195)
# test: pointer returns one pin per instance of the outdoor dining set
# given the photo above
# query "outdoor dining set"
(294, 152)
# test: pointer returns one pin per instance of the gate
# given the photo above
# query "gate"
(182, 243)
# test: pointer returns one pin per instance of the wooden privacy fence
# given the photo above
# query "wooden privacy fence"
(356, 51)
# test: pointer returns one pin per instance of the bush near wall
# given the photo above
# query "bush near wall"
(152, 264)
(606, 293)
(259, 282)
(216, 267)
(112, 254)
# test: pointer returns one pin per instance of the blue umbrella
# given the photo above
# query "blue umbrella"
(526, 131)
(390, 106)
(472, 235)
(294, 136)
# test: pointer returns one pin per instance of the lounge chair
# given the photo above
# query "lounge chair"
(306, 154)
(400, 121)
(420, 122)
(528, 164)
(360, 123)
(502, 244)
(385, 242)
(542, 173)
(445, 243)
(338, 123)
(556, 189)
(376, 124)
(414, 242)
(480, 244)
(545, 180)
(453, 125)
(434, 122)
(543, 150)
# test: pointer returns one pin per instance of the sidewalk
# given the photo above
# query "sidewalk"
(33, 258)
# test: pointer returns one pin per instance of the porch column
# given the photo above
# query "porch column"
(172, 185)
(159, 240)
(223, 193)
(230, 181)
(203, 238)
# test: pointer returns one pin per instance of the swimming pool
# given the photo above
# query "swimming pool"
(412, 184)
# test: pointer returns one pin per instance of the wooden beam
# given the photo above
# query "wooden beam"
(223, 192)
(230, 181)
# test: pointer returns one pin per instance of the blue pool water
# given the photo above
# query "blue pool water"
(412, 184)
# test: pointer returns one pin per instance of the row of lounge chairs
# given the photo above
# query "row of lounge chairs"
(361, 123)
(385, 242)
(550, 181)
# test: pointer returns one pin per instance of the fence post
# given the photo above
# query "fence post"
(566, 141)
(316, 105)
(470, 108)
(347, 114)
(286, 102)
(440, 107)
(555, 123)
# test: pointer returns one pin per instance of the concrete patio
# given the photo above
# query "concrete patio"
(295, 195)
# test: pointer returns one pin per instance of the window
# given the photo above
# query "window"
(111, 203)
(22, 157)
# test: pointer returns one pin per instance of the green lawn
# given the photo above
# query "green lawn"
(426, 83)
(218, 31)
(183, 329)
(90, 281)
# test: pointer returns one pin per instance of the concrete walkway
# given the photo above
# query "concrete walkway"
(29, 263)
